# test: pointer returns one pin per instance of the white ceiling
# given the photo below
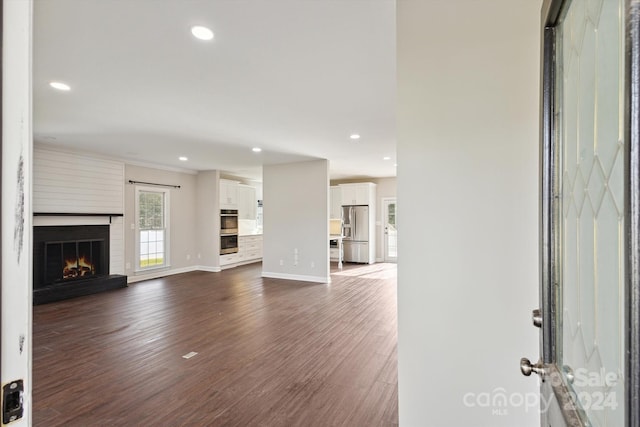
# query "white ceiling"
(295, 78)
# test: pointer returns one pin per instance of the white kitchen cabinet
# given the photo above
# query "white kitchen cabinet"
(358, 194)
(228, 194)
(348, 194)
(335, 211)
(249, 250)
(229, 259)
(247, 202)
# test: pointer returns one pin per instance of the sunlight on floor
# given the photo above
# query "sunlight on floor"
(371, 271)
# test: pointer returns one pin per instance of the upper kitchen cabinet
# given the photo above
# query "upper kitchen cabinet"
(228, 194)
(358, 194)
(335, 205)
(247, 202)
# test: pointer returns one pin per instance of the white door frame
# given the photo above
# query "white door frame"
(16, 235)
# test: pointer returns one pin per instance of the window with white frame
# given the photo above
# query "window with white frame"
(152, 228)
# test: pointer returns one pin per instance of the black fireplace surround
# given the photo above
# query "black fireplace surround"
(71, 261)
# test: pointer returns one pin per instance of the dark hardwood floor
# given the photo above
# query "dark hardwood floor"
(270, 352)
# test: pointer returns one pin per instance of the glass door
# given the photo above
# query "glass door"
(590, 277)
(390, 230)
(589, 214)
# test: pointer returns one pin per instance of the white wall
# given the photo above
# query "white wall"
(296, 216)
(76, 183)
(208, 220)
(183, 240)
(16, 235)
(467, 191)
(70, 182)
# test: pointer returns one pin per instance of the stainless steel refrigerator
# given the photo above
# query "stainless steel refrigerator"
(356, 233)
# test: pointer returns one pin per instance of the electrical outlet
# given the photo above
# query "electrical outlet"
(128, 266)
(133, 226)
(199, 256)
(281, 262)
(188, 257)
(313, 264)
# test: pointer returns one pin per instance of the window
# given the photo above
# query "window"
(152, 228)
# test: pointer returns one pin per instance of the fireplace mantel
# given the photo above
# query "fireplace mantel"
(79, 214)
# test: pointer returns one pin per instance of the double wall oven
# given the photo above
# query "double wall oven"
(228, 231)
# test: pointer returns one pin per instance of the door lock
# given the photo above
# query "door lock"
(527, 368)
(537, 318)
(12, 401)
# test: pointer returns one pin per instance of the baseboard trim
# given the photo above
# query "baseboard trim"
(161, 273)
(315, 279)
(209, 269)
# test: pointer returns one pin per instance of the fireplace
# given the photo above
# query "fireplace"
(70, 261)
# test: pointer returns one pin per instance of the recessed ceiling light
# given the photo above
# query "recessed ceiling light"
(256, 149)
(386, 158)
(183, 158)
(60, 86)
(355, 136)
(202, 33)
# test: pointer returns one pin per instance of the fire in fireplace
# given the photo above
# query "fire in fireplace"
(73, 260)
(78, 267)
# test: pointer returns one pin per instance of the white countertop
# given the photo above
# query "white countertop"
(254, 233)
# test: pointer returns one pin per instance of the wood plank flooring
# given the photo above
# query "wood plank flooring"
(270, 352)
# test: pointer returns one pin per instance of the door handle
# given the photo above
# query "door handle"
(536, 316)
(527, 368)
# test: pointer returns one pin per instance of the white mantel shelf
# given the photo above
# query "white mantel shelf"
(77, 214)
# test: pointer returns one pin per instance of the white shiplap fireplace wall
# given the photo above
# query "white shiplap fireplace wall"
(69, 183)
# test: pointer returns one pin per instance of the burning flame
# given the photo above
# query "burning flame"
(77, 268)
